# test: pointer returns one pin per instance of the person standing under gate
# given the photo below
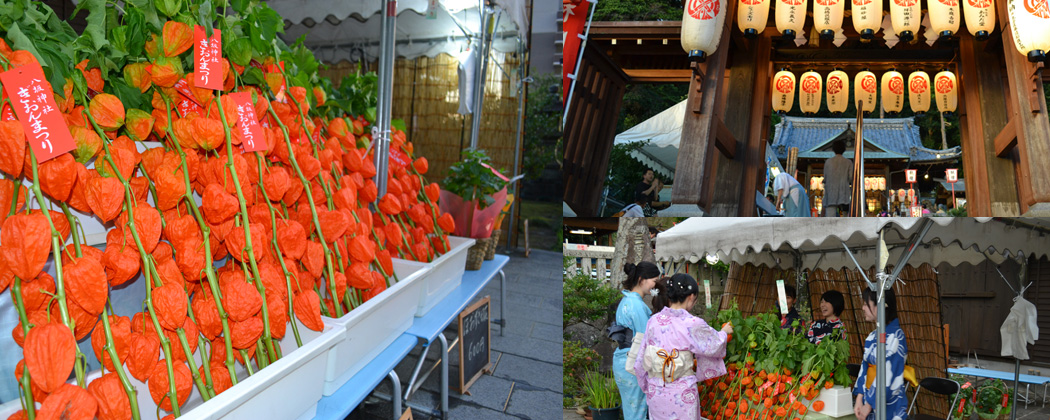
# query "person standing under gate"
(791, 194)
(632, 314)
(838, 176)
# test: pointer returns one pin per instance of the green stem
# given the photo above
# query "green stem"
(113, 357)
(277, 249)
(29, 405)
(17, 187)
(209, 269)
(60, 294)
(247, 232)
(73, 222)
(205, 360)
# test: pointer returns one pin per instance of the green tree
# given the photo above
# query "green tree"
(542, 119)
(628, 10)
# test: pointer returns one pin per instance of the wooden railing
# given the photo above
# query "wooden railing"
(596, 260)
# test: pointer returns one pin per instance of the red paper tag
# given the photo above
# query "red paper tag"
(207, 53)
(253, 137)
(399, 158)
(35, 106)
(8, 113)
(1005, 399)
(187, 107)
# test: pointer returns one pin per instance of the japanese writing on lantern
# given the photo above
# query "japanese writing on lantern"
(33, 100)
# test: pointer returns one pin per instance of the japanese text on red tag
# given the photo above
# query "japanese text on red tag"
(34, 104)
(252, 137)
(207, 59)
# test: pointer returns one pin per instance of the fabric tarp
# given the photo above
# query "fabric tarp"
(340, 30)
(773, 242)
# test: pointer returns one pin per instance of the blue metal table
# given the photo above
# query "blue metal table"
(1027, 380)
(347, 397)
(429, 327)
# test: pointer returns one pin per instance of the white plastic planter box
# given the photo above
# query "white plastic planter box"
(446, 273)
(287, 389)
(837, 402)
(371, 327)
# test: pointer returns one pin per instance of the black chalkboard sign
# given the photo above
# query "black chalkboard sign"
(474, 338)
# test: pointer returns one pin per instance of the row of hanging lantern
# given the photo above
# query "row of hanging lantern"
(812, 88)
(905, 16)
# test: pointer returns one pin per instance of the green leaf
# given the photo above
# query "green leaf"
(240, 5)
(130, 96)
(399, 124)
(20, 41)
(253, 76)
(96, 22)
(206, 17)
(148, 10)
(168, 7)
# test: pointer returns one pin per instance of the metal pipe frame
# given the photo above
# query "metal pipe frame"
(381, 131)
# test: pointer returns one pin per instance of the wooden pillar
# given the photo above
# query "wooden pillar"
(1028, 124)
(991, 187)
(755, 158)
(589, 130)
(704, 134)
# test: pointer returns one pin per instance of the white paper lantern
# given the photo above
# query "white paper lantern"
(791, 17)
(865, 88)
(867, 17)
(905, 15)
(702, 27)
(837, 89)
(946, 90)
(944, 16)
(783, 91)
(1030, 23)
(827, 17)
(751, 16)
(980, 17)
(809, 93)
(892, 91)
(919, 91)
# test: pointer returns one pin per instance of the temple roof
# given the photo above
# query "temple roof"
(884, 138)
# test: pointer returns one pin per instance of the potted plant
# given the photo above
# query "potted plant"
(497, 232)
(964, 408)
(993, 400)
(474, 193)
(602, 396)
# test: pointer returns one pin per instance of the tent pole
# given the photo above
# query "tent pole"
(381, 131)
(880, 353)
(517, 143)
(1017, 362)
(479, 80)
(859, 268)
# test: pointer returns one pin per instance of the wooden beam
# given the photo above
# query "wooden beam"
(724, 140)
(1029, 114)
(1006, 140)
(754, 160)
(658, 76)
(697, 161)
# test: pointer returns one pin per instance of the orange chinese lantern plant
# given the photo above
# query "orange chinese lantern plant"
(93, 76)
(177, 37)
(107, 111)
(243, 334)
(307, 306)
(240, 299)
(159, 384)
(85, 280)
(69, 402)
(50, 351)
(105, 197)
(144, 349)
(24, 244)
(110, 396)
(57, 176)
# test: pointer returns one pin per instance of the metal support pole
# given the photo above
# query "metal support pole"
(517, 143)
(502, 302)
(479, 78)
(444, 376)
(381, 131)
(395, 385)
(880, 368)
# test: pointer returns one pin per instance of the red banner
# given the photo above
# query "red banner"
(207, 56)
(575, 18)
(34, 104)
(253, 139)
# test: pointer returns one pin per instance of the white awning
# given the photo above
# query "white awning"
(340, 30)
(776, 242)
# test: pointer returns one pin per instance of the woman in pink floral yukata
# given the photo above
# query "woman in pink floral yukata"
(674, 338)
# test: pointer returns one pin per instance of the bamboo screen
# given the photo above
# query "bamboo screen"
(426, 97)
(918, 308)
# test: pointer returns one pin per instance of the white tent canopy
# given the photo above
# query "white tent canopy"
(340, 30)
(774, 243)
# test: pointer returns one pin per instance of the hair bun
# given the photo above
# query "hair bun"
(629, 269)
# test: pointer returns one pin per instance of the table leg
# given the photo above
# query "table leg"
(415, 373)
(395, 384)
(502, 302)
(444, 376)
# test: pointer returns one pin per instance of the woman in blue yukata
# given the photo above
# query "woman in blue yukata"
(633, 314)
(896, 356)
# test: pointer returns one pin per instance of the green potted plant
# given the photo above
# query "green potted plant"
(964, 408)
(993, 400)
(602, 395)
(474, 193)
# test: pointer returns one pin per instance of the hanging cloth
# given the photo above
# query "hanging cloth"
(1019, 329)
